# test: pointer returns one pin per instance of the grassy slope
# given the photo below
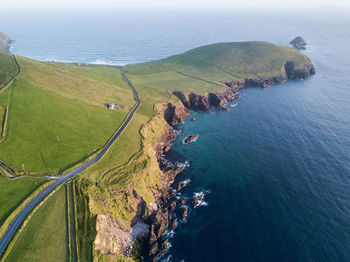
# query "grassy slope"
(8, 67)
(205, 68)
(94, 85)
(45, 236)
(13, 192)
(57, 115)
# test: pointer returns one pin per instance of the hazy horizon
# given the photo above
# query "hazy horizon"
(179, 5)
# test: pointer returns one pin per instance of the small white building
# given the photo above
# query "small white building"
(113, 106)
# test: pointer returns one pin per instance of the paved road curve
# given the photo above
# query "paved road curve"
(17, 222)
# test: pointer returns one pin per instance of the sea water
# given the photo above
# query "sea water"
(275, 169)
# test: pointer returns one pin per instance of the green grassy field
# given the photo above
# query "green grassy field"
(45, 236)
(94, 85)
(13, 192)
(8, 67)
(57, 115)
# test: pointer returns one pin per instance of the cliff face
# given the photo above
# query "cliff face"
(299, 73)
(218, 100)
(149, 217)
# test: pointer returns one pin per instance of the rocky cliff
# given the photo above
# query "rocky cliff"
(141, 218)
(204, 103)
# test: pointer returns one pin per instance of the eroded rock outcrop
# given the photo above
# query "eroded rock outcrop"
(218, 100)
(110, 238)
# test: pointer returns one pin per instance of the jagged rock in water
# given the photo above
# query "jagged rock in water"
(190, 139)
(182, 184)
(174, 225)
(298, 43)
(198, 200)
(184, 213)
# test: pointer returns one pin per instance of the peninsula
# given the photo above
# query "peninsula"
(124, 202)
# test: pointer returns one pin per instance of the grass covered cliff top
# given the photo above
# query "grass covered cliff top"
(207, 68)
(223, 62)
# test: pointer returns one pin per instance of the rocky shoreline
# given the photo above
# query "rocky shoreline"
(202, 103)
(165, 219)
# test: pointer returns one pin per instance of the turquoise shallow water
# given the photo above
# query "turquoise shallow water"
(276, 168)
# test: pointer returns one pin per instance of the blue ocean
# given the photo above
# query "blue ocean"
(275, 169)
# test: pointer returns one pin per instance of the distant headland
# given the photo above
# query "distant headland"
(5, 42)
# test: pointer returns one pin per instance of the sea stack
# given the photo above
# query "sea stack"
(298, 43)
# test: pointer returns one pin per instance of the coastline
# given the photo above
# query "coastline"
(166, 220)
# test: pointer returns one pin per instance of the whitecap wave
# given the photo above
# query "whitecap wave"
(184, 165)
(54, 60)
(202, 194)
(104, 62)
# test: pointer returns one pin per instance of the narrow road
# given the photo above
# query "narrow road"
(18, 220)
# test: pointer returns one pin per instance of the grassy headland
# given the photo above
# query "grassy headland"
(57, 117)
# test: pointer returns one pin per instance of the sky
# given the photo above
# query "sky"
(172, 4)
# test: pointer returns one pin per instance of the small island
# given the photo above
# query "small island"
(298, 43)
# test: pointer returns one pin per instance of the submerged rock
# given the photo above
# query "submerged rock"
(184, 213)
(183, 184)
(174, 225)
(182, 201)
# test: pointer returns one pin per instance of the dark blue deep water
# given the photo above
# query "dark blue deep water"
(275, 169)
